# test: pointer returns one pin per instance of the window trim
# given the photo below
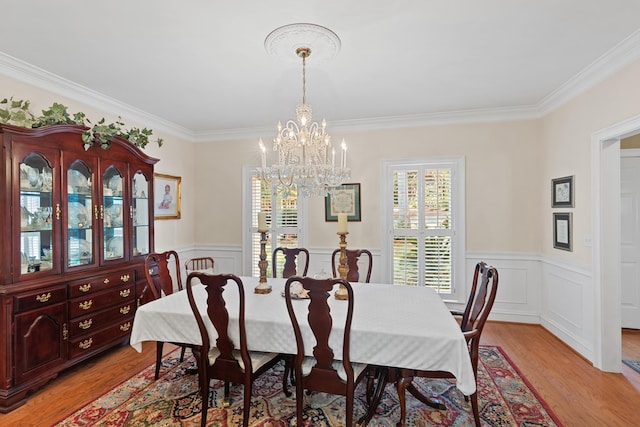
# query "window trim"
(457, 164)
(247, 211)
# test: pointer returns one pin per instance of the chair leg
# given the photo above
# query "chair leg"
(247, 405)
(159, 346)
(288, 363)
(474, 407)
(349, 408)
(299, 399)
(182, 353)
(226, 401)
(402, 384)
(204, 393)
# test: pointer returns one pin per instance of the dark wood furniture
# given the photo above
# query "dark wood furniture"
(291, 258)
(160, 280)
(75, 226)
(322, 372)
(228, 361)
(479, 304)
(201, 263)
(353, 260)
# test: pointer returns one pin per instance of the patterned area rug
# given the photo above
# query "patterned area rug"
(505, 399)
(633, 364)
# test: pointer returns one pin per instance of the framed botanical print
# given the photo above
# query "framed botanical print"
(562, 192)
(562, 233)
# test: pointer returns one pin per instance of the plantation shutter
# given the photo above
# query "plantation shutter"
(422, 226)
(282, 221)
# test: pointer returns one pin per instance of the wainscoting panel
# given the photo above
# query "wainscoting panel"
(568, 305)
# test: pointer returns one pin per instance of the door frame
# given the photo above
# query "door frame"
(605, 146)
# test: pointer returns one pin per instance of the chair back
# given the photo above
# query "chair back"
(323, 376)
(158, 269)
(201, 263)
(353, 262)
(293, 257)
(226, 366)
(481, 298)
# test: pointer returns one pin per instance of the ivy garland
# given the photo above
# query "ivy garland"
(18, 113)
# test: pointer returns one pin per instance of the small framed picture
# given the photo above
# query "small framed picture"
(345, 199)
(562, 192)
(166, 194)
(562, 233)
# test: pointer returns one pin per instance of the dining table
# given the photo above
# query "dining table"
(393, 326)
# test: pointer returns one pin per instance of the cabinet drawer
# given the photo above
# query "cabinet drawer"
(99, 301)
(100, 283)
(89, 343)
(96, 321)
(41, 298)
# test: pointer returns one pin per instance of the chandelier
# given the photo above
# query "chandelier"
(306, 160)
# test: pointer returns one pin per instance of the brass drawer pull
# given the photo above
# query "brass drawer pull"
(86, 305)
(125, 278)
(44, 297)
(125, 310)
(85, 288)
(105, 281)
(125, 326)
(86, 324)
(86, 344)
(125, 293)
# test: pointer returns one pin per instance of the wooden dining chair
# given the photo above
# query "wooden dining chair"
(322, 372)
(201, 263)
(353, 262)
(226, 360)
(293, 257)
(159, 269)
(473, 318)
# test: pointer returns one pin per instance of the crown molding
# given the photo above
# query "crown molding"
(615, 59)
(35, 76)
(621, 55)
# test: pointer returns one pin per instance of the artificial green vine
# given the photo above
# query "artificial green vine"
(18, 113)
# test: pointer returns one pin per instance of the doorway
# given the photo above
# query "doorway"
(605, 146)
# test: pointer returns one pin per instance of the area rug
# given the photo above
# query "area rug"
(633, 364)
(505, 399)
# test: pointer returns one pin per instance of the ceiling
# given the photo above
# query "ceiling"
(199, 68)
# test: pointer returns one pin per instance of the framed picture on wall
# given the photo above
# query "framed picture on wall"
(562, 233)
(562, 192)
(345, 199)
(166, 193)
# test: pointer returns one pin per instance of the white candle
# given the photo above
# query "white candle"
(342, 223)
(344, 154)
(333, 158)
(262, 221)
(263, 153)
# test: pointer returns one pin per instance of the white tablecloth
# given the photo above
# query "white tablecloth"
(401, 326)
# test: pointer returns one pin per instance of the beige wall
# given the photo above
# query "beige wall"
(567, 145)
(502, 177)
(176, 157)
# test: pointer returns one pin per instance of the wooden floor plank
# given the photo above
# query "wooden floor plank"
(579, 394)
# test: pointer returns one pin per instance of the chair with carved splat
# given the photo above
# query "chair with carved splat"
(293, 258)
(354, 264)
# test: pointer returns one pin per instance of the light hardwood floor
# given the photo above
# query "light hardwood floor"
(579, 394)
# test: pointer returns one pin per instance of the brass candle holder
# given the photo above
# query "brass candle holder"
(343, 268)
(263, 287)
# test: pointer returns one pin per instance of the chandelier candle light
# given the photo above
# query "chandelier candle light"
(305, 156)
(263, 287)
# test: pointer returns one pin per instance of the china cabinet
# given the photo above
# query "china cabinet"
(75, 226)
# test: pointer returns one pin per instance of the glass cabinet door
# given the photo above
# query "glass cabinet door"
(80, 211)
(140, 214)
(37, 214)
(113, 214)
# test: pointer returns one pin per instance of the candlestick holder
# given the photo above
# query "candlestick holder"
(263, 287)
(343, 268)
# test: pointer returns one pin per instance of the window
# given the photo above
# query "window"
(424, 222)
(285, 219)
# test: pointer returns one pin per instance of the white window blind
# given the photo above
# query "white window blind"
(283, 221)
(424, 227)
